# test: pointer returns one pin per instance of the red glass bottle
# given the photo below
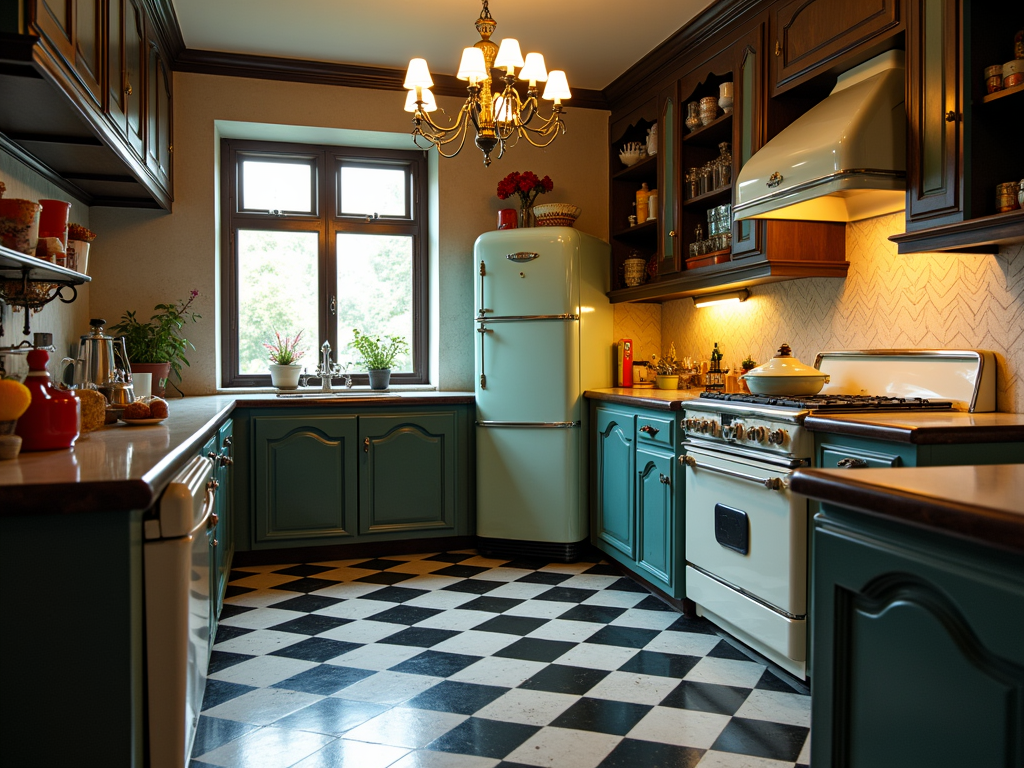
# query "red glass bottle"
(52, 419)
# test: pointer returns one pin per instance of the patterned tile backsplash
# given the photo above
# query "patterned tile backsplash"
(887, 301)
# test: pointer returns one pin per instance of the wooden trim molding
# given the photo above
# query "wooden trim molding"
(328, 73)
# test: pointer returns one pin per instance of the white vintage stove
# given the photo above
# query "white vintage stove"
(746, 534)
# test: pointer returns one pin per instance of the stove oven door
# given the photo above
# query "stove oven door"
(746, 551)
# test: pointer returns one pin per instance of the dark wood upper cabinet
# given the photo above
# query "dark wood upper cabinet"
(158, 137)
(809, 36)
(89, 40)
(133, 75)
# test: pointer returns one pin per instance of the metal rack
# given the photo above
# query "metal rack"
(32, 283)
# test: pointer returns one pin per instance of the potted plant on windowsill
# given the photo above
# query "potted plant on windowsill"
(284, 361)
(157, 346)
(378, 356)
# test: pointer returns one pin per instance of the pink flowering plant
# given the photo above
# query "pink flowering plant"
(526, 185)
(285, 351)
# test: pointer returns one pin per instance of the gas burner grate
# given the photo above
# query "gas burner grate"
(835, 402)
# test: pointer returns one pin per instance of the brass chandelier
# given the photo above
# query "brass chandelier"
(498, 120)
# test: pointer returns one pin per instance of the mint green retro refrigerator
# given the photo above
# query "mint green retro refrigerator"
(543, 330)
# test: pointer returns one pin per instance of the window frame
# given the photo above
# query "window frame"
(327, 221)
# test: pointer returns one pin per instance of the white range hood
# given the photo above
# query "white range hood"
(844, 160)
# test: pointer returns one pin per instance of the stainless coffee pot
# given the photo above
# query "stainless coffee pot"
(101, 359)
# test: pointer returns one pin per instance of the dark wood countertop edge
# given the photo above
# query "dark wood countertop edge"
(76, 498)
(973, 523)
(918, 435)
(637, 401)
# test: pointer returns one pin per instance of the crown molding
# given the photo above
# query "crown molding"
(651, 69)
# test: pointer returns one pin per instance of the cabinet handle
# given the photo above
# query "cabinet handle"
(652, 431)
(950, 116)
(334, 305)
(778, 48)
(213, 521)
(227, 441)
(672, 233)
(366, 445)
(664, 479)
(771, 483)
(851, 463)
(127, 88)
(225, 461)
(216, 543)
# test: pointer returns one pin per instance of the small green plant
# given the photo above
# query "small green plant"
(160, 339)
(377, 354)
(667, 365)
(286, 351)
(749, 362)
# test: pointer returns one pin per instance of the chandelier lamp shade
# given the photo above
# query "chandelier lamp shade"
(498, 120)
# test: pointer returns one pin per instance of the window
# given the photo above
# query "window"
(321, 240)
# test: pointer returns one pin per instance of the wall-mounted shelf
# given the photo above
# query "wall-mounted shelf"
(17, 266)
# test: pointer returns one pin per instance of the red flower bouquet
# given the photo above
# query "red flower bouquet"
(527, 185)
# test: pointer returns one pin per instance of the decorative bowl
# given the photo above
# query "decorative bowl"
(556, 214)
(630, 153)
(785, 375)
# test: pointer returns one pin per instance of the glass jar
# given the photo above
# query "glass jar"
(693, 116)
(692, 184)
(725, 163)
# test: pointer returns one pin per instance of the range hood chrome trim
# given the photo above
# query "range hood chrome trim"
(861, 174)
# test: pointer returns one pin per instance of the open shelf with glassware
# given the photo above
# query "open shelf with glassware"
(31, 283)
(629, 237)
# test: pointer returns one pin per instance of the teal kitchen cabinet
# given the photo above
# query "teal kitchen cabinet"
(408, 472)
(344, 475)
(636, 498)
(917, 629)
(305, 475)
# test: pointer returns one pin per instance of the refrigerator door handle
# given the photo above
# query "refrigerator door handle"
(531, 424)
(523, 318)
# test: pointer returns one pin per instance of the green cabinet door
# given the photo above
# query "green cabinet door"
(305, 478)
(407, 472)
(614, 522)
(917, 647)
(655, 486)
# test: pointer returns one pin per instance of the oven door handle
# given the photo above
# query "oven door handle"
(771, 483)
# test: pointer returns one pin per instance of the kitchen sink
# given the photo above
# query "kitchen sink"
(336, 393)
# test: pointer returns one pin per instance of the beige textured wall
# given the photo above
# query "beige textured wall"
(151, 257)
(65, 321)
(886, 301)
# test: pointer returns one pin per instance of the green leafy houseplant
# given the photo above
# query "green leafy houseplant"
(749, 362)
(286, 351)
(378, 355)
(160, 339)
(667, 365)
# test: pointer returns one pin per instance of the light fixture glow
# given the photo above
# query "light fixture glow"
(728, 297)
(498, 120)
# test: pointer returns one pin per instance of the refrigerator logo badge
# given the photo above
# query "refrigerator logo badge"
(521, 257)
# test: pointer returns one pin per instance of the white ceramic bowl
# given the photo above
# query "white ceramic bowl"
(630, 153)
(785, 385)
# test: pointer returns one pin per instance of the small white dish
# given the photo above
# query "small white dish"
(141, 422)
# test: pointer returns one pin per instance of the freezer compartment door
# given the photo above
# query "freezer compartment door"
(528, 484)
(527, 272)
(528, 371)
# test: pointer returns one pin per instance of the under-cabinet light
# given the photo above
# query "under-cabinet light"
(721, 298)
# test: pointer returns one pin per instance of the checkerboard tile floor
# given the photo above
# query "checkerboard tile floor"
(452, 660)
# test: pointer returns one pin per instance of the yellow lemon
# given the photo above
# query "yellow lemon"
(15, 398)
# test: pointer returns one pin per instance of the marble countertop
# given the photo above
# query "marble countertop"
(923, 427)
(645, 397)
(981, 503)
(123, 467)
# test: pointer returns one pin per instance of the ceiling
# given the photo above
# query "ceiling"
(594, 41)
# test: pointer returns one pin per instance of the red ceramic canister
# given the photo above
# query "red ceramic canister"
(508, 218)
(53, 416)
(53, 221)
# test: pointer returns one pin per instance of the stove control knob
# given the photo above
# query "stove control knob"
(757, 434)
(727, 432)
(737, 431)
(703, 426)
(777, 437)
(715, 429)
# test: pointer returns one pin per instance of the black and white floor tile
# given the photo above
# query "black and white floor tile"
(452, 660)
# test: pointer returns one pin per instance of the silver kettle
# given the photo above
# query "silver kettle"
(99, 359)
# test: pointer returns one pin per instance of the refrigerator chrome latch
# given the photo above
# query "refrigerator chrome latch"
(483, 381)
(483, 269)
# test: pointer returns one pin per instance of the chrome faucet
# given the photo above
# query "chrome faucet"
(326, 370)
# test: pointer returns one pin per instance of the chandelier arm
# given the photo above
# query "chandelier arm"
(551, 135)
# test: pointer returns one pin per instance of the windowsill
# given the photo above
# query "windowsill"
(342, 388)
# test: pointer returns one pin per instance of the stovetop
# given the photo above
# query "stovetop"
(833, 403)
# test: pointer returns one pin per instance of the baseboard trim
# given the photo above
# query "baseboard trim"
(347, 551)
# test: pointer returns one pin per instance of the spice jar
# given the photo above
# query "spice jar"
(1006, 197)
(1013, 73)
(994, 78)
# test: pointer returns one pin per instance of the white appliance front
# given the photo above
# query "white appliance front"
(528, 272)
(749, 536)
(176, 559)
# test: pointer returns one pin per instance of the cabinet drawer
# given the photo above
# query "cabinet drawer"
(843, 457)
(655, 430)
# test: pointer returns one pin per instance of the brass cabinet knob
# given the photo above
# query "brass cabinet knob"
(652, 431)
(950, 116)
(778, 48)
(664, 479)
